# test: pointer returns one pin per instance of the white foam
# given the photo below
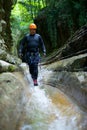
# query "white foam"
(39, 109)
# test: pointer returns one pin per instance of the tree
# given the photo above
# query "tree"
(22, 15)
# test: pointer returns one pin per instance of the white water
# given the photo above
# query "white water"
(42, 114)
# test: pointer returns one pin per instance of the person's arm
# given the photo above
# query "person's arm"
(42, 45)
(21, 47)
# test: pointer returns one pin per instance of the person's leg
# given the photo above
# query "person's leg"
(35, 74)
(30, 69)
(33, 69)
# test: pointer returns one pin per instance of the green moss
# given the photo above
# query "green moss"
(11, 68)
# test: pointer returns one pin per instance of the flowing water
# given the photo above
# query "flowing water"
(47, 108)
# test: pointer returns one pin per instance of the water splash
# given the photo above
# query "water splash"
(39, 110)
(26, 127)
(41, 113)
(40, 102)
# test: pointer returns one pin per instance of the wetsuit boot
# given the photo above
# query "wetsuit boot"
(35, 82)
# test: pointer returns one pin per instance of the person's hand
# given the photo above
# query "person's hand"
(20, 55)
(44, 54)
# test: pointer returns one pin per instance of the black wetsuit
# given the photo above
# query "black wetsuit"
(29, 48)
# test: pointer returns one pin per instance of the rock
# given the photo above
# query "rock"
(2, 45)
(5, 29)
(13, 59)
(9, 58)
(82, 77)
(75, 63)
(3, 54)
(11, 105)
(7, 67)
(73, 84)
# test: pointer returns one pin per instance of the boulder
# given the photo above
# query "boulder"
(11, 104)
(7, 67)
(73, 84)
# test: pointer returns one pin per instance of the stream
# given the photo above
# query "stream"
(47, 108)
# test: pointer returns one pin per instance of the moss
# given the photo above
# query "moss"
(12, 68)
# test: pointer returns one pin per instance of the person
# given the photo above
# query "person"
(29, 51)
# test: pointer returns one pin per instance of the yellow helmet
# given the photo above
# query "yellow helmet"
(32, 26)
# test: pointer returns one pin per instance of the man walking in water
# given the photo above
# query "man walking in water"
(29, 51)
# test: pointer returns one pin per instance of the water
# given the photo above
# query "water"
(47, 108)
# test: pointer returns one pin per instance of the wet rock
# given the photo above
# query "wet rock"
(71, 84)
(82, 77)
(76, 63)
(11, 105)
(9, 58)
(2, 45)
(13, 59)
(5, 30)
(7, 67)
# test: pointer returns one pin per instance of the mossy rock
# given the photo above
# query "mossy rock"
(7, 67)
(12, 68)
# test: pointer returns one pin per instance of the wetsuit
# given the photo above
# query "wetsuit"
(29, 48)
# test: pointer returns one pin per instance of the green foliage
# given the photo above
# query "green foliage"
(33, 6)
(19, 18)
(22, 15)
(65, 13)
(63, 17)
(19, 23)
